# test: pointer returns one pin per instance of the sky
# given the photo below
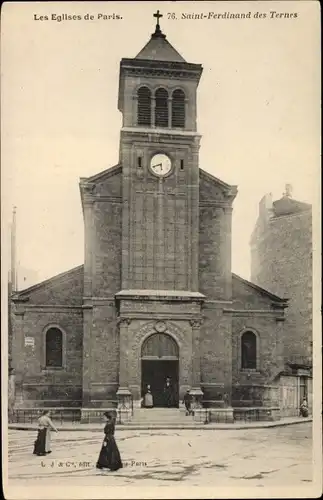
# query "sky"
(258, 111)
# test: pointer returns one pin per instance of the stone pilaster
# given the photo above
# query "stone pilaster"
(160, 260)
(196, 391)
(123, 392)
(89, 241)
(226, 230)
(86, 375)
(18, 356)
(124, 396)
(169, 102)
(153, 108)
(194, 218)
(89, 238)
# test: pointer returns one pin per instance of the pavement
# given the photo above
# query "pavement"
(258, 457)
(238, 425)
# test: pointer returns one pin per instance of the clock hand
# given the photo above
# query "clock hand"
(157, 165)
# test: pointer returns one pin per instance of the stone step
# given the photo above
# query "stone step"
(160, 416)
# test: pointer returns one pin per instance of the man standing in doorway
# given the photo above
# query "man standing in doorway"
(168, 393)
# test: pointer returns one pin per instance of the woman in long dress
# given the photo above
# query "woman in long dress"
(45, 426)
(148, 398)
(109, 457)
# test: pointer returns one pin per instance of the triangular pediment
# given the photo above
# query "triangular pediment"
(246, 292)
(106, 183)
(65, 288)
(213, 189)
(104, 175)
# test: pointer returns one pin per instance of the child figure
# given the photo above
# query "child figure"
(187, 402)
(304, 408)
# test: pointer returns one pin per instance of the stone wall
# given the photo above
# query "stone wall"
(160, 216)
(215, 216)
(37, 384)
(106, 238)
(101, 354)
(53, 303)
(269, 335)
(216, 351)
(282, 263)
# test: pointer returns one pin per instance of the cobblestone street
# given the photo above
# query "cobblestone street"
(276, 457)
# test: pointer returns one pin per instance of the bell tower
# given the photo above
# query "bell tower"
(159, 147)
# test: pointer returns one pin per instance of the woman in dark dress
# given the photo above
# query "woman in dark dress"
(45, 426)
(109, 457)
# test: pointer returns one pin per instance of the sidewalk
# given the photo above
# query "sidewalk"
(97, 427)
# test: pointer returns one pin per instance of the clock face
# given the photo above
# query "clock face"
(160, 164)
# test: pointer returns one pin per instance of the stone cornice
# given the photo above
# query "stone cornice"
(95, 301)
(108, 199)
(157, 295)
(217, 301)
(47, 308)
(279, 315)
(153, 63)
(157, 316)
(226, 205)
(131, 134)
(157, 69)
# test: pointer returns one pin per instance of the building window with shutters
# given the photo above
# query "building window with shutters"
(54, 348)
(178, 109)
(248, 351)
(161, 108)
(144, 106)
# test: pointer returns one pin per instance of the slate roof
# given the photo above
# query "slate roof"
(289, 206)
(159, 49)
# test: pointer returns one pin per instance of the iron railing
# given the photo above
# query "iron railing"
(63, 414)
(31, 415)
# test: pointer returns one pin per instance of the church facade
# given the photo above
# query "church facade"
(156, 296)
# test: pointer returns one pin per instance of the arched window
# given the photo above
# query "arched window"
(248, 351)
(54, 348)
(144, 106)
(161, 108)
(178, 109)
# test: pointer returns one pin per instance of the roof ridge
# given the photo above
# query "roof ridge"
(260, 289)
(46, 281)
(219, 181)
(97, 176)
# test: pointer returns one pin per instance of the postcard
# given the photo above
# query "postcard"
(161, 250)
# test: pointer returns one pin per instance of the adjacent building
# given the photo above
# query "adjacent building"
(281, 261)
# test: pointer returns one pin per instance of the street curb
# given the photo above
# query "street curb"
(204, 427)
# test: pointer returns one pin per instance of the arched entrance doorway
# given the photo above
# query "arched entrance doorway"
(159, 360)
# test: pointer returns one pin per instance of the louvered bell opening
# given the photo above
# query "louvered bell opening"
(161, 109)
(144, 106)
(178, 109)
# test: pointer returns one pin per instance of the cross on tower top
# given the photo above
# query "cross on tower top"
(158, 15)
